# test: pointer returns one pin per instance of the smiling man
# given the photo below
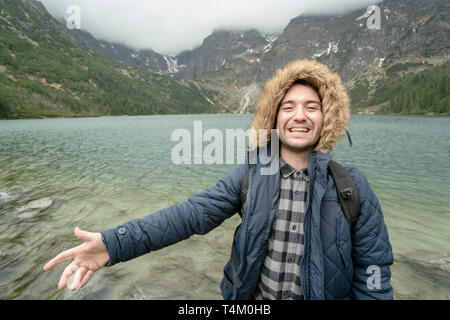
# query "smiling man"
(308, 246)
(299, 123)
(297, 239)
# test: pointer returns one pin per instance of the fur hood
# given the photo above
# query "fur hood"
(335, 101)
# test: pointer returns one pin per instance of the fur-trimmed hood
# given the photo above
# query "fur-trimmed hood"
(335, 101)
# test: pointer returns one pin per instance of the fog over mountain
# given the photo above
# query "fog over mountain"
(169, 27)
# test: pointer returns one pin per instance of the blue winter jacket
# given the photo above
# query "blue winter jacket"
(339, 262)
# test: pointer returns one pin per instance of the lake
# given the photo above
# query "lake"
(97, 173)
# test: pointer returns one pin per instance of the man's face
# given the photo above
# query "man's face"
(300, 119)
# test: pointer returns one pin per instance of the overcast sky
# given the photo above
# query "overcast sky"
(170, 26)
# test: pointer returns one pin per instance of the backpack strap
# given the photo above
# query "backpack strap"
(346, 191)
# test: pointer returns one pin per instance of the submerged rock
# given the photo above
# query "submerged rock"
(430, 262)
(33, 208)
(152, 291)
(5, 197)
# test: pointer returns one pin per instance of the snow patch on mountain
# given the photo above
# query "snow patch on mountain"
(333, 47)
(364, 16)
(207, 99)
(172, 64)
(245, 101)
(270, 38)
(318, 55)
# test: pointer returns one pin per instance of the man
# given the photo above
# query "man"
(294, 241)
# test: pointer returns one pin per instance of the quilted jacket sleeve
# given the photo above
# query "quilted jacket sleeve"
(198, 215)
(372, 251)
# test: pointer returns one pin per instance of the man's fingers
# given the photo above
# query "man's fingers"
(81, 275)
(86, 278)
(67, 254)
(76, 281)
(83, 235)
(80, 278)
(68, 272)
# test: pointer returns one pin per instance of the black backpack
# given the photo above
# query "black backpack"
(345, 187)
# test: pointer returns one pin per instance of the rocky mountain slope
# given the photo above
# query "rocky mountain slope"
(46, 71)
(413, 37)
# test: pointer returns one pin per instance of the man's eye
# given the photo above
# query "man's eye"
(312, 107)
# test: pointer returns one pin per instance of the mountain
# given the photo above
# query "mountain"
(413, 39)
(224, 62)
(144, 59)
(46, 71)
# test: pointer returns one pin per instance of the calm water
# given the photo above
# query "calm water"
(97, 173)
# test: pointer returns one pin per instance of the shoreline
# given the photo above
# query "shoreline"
(221, 113)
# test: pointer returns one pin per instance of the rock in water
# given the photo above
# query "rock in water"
(40, 204)
(34, 208)
(430, 262)
(5, 197)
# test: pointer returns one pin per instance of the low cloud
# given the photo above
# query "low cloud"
(168, 27)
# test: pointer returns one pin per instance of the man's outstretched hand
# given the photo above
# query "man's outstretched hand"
(88, 257)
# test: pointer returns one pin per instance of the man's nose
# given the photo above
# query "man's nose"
(299, 113)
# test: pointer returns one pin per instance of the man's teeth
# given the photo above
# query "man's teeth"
(299, 130)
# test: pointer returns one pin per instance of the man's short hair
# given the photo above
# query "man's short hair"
(308, 84)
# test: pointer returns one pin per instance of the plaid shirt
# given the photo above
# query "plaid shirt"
(280, 274)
